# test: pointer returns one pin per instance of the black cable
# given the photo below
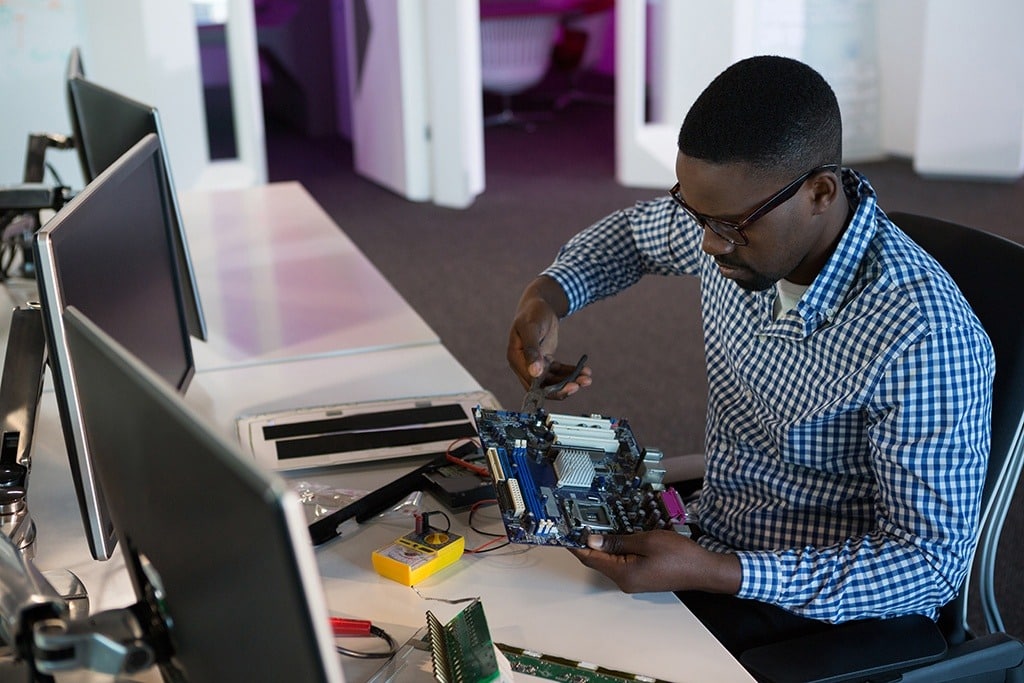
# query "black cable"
(473, 510)
(491, 534)
(426, 520)
(379, 633)
(53, 172)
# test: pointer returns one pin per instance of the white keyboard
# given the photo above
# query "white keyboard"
(322, 436)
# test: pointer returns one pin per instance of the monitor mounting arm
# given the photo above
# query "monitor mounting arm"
(20, 389)
(35, 155)
(20, 205)
(45, 638)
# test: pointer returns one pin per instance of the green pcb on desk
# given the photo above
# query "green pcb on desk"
(560, 669)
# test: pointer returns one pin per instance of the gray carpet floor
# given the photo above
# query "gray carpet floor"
(463, 270)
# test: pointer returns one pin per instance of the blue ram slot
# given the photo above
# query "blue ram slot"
(526, 484)
(503, 459)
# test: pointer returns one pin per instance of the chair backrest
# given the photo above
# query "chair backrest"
(515, 48)
(989, 270)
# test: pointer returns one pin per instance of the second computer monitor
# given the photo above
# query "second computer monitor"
(108, 253)
(107, 124)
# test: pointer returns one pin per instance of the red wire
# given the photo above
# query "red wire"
(499, 539)
(476, 469)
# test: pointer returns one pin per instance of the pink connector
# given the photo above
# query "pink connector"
(673, 505)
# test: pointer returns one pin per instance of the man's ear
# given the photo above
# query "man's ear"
(825, 190)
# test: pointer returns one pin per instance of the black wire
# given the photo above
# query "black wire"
(374, 631)
(427, 515)
(6, 260)
(469, 521)
(53, 171)
(473, 510)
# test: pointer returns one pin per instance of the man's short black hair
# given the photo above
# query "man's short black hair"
(776, 114)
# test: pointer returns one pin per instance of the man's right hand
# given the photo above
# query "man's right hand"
(533, 339)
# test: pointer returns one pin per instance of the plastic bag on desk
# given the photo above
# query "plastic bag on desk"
(320, 500)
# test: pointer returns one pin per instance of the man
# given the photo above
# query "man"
(849, 382)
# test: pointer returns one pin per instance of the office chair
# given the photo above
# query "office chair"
(516, 40)
(914, 648)
(582, 44)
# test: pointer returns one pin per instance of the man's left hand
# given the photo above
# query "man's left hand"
(660, 560)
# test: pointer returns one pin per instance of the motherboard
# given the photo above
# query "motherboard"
(560, 477)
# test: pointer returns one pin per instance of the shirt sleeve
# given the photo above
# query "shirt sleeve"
(929, 423)
(651, 237)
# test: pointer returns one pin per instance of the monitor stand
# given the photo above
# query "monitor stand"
(20, 389)
(43, 635)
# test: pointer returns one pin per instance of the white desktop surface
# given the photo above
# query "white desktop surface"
(540, 599)
(536, 598)
(279, 280)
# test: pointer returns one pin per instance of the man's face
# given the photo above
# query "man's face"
(782, 243)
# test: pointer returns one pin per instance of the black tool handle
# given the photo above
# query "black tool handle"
(373, 503)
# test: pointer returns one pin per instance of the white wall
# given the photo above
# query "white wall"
(941, 81)
(35, 39)
(417, 113)
(145, 49)
(971, 121)
(691, 42)
(900, 51)
(149, 51)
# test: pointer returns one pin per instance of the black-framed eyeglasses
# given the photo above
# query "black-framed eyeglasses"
(733, 232)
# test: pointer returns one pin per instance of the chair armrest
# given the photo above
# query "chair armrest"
(849, 652)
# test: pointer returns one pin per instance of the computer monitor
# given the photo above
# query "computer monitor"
(217, 549)
(105, 125)
(75, 70)
(107, 252)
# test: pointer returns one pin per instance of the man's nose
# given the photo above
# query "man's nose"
(715, 245)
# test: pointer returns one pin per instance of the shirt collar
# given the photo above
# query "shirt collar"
(820, 304)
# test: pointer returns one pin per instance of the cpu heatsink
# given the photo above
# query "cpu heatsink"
(574, 468)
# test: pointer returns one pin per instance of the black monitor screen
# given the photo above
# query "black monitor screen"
(235, 584)
(108, 253)
(107, 124)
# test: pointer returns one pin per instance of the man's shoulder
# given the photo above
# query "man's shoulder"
(903, 271)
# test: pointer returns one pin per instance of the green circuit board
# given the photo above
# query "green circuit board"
(566, 670)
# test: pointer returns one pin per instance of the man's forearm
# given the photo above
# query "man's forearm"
(549, 291)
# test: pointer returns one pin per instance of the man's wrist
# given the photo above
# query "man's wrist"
(724, 575)
(547, 289)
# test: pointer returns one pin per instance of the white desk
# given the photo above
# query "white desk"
(279, 280)
(541, 599)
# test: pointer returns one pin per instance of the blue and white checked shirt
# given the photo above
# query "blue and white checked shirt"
(847, 441)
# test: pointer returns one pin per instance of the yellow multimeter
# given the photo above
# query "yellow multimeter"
(415, 556)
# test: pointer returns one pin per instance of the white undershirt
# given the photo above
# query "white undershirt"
(789, 294)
